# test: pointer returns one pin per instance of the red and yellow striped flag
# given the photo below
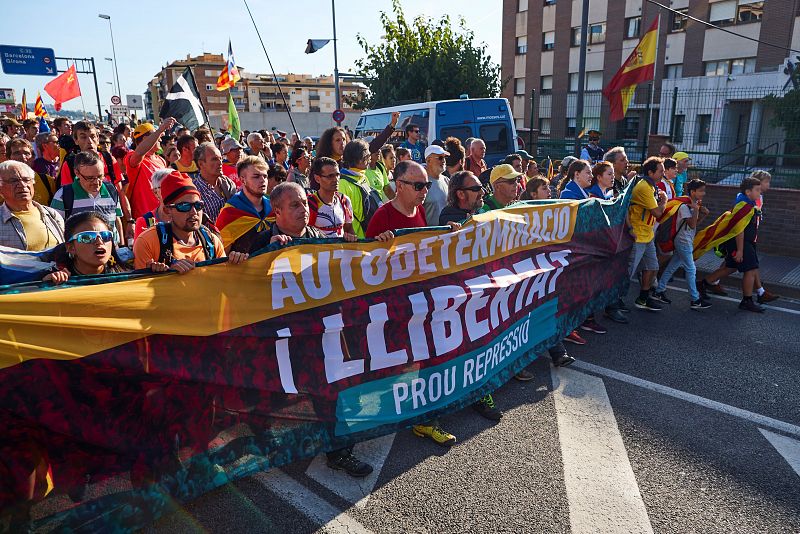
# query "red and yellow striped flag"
(23, 112)
(230, 74)
(638, 68)
(38, 109)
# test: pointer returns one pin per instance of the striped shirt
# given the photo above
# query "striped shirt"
(213, 200)
(103, 203)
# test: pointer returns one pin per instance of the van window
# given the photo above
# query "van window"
(461, 132)
(496, 138)
(417, 117)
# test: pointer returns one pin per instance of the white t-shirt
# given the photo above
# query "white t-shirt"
(330, 218)
(436, 199)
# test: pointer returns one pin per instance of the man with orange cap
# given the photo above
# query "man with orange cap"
(141, 163)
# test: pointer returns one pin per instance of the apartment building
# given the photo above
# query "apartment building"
(540, 50)
(254, 93)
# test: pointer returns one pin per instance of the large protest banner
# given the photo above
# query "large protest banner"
(122, 395)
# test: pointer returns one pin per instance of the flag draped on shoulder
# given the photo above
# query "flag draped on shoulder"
(39, 107)
(183, 102)
(230, 74)
(728, 225)
(638, 68)
(238, 216)
(64, 87)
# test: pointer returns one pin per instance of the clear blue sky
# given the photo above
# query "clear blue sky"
(148, 34)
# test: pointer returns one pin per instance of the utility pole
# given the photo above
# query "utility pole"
(336, 62)
(581, 76)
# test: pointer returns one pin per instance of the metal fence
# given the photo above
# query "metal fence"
(729, 132)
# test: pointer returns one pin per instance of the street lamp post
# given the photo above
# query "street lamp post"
(113, 87)
(315, 44)
(113, 50)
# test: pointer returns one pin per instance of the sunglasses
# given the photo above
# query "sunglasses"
(594, 139)
(89, 237)
(474, 188)
(184, 207)
(415, 131)
(417, 185)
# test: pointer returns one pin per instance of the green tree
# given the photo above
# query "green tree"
(425, 59)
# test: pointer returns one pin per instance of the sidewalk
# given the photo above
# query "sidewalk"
(780, 274)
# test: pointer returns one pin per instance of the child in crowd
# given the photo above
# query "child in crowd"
(690, 212)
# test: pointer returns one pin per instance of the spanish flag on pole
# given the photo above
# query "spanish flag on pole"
(638, 68)
(230, 74)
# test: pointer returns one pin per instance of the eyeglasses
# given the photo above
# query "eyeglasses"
(417, 185)
(594, 139)
(98, 178)
(88, 237)
(474, 188)
(331, 175)
(184, 207)
(415, 130)
(14, 183)
(513, 181)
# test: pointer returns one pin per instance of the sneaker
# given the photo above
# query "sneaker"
(345, 461)
(487, 408)
(590, 325)
(768, 297)
(439, 436)
(647, 304)
(661, 296)
(749, 305)
(575, 338)
(617, 316)
(524, 376)
(716, 289)
(562, 360)
(700, 304)
(621, 306)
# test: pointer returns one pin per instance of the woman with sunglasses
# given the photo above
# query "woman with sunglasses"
(88, 249)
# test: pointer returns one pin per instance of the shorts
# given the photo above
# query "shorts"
(749, 258)
(644, 253)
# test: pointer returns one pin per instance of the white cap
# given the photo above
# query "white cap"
(435, 150)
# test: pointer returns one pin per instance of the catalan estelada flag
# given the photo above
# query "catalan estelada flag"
(638, 68)
(238, 216)
(728, 225)
(230, 74)
(38, 109)
(550, 169)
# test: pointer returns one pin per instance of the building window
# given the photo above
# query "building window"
(673, 71)
(722, 13)
(546, 85)
(593, 82)
(630, 127)
(519, 86)
(749, 11)
(716, 68)
(522, 5)
(518, 124)
(549, 2)
(571, 127)
(548, 40)
(632, 27)
(743, 65)
(210, 87)
(678, 21)
(680, 120)
(544, 126)
(573, 82)
(575, 40)
(213, 74)
(703, 128)
(597, 33)
(522, 45)
(724, 67)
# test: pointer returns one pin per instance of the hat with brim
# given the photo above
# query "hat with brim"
(679, 156)
(142, 130)
(435, 150)
(503, 172)
(524, 155)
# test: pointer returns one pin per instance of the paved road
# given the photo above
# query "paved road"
(673, 423)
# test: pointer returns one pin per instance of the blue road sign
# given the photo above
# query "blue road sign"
(338, 115)
(28, 60)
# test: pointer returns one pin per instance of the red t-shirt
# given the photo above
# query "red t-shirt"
(139, 191)
(230, 171)
(388, 218)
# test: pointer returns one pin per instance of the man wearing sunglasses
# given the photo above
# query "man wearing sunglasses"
(436, 199)
(179, 244)
(593, 152)
(24, 223)
(464, 199)
(413, 143)
(506, 186)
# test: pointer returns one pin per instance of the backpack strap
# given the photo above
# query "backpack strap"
(44, 178)
(68, 198)
(165, 238)
(110, 166)
(70, 161)
(208, 243)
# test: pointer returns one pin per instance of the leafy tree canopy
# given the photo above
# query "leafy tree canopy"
(425, 59)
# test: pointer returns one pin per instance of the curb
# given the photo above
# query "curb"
(783, 290)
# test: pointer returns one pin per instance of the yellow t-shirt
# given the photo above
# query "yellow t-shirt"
(36, 233)
(642, 201)
(181, 168)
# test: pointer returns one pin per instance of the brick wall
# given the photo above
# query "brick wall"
(780, 231)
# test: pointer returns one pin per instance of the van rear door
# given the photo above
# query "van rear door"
(455, 119)
(493, 124)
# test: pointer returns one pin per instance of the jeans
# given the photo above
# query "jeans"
(681, 258)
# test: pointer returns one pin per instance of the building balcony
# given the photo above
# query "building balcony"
(313, 97)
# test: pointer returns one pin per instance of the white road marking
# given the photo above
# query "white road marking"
(309, 503)
(731, 299)
(354, 490)
(787, 447)
(758, 419)
(601, 488)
